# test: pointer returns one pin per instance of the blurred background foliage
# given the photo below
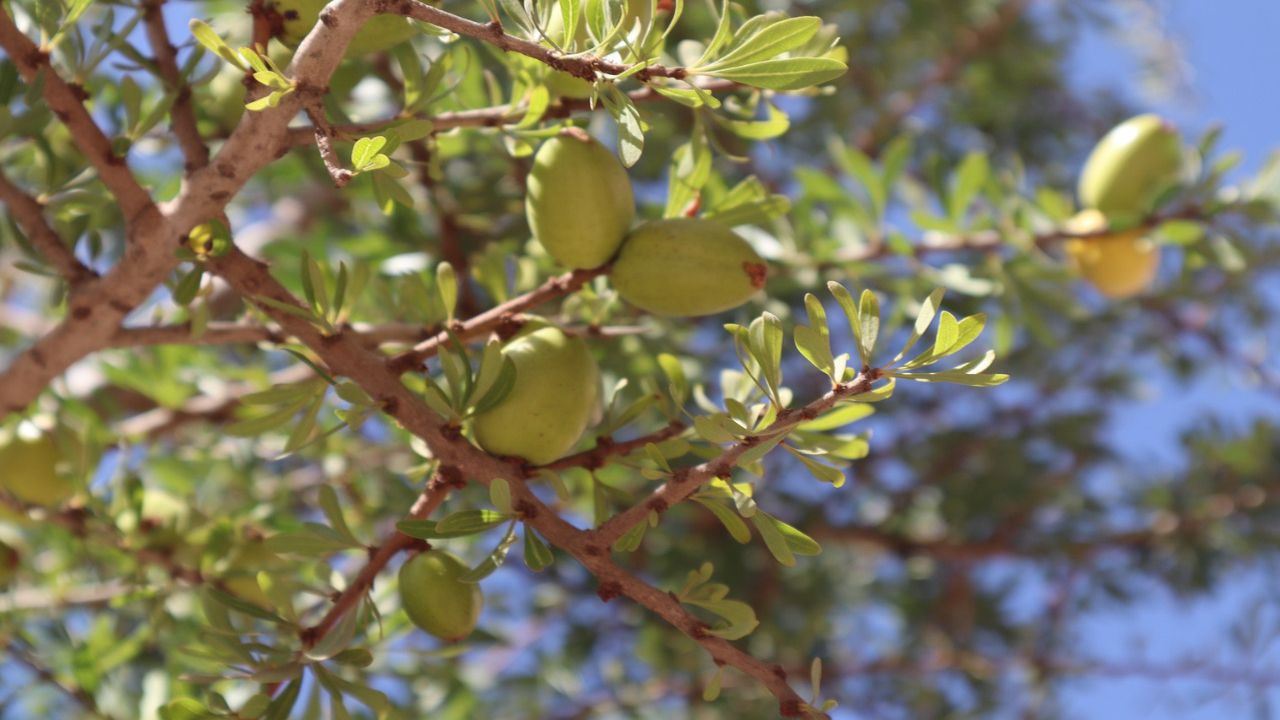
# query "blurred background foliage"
(957, 557)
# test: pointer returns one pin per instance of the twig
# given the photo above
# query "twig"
(83, 697)
(686, 481)
(584, 66)
(496, 318)
(495, 116)
(432, 496)
(29, 215)
(324, 143)
(605, 448)
(182, 113)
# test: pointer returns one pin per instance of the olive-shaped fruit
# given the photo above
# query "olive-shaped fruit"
(1119, 264)
(29, 470)
(1131, 166)
(686, 267)
(381, 32)
(551, 403)
(578, 201)
(435, 599)
(9, 560)
(562, 84)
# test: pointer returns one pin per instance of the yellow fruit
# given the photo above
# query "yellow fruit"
(1132, 165)
(1119, 264)
(578, 201)
(28, 470)
(9, 560)
(555, 393)
(381, 32)
(687, 267)
(435, 599)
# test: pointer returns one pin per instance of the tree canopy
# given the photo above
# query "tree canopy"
(841, 412)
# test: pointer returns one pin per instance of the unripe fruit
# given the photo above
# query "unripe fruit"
(562, 84)
(1133, 164)
(9, 560)
(686, 267)
(435, 599)
(380, 33)
(578, 201)
(551, 403)
(28, 469)
(1120, 264)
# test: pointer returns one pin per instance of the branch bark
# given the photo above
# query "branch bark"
(183, 113)
(29, 215)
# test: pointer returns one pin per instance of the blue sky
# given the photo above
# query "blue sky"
(1231, 51)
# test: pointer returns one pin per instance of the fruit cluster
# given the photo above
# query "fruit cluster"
(580, 207)
(1127, 172)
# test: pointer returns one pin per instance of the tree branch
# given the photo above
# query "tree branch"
(501, 317)
(432, 496)
(606, 448)
(586, 67)
(686, 481)
(349, 358)
(24, 655)
(182, 114)
(29, 215)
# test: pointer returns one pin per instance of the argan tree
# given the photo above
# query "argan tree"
(383, 359)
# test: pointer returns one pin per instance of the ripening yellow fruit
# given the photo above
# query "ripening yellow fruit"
(9, 561)
(685, 267)
(578, 201)
(435, 599)
(29, 470)
(1131, 166)
(381, 32)
(550, 405)
(1120, 264)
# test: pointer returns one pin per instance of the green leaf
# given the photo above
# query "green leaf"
(500, 495)
(784, 74)
(494, 559)
(773, 538)
(839, 416)
(469, 522)
(728, 517)
(676, 380)
(928, 309)
(447, 285)
(328, 500)
(970, 178)
(869, 327)
(536, 553)
(771, 41)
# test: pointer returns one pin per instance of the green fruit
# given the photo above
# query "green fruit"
(687, 267)
(380, 33)
(28, 470)
(562, 84)
(435, 599)
(1120, 264)
(550, 405)
(1136, 162)
(9, 560)
(579, 202)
